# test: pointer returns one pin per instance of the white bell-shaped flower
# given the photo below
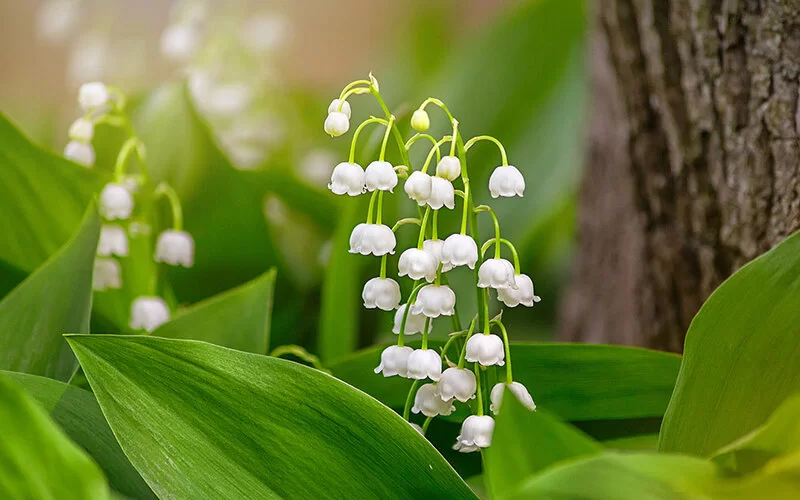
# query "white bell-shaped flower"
(80, 152)
(415, 323)
(476, 433)
(458, 383)
(380, 175)
(383, 293)
(394, 361)
(459, 250)
(506, 181)
(434, 301)
(375, 239)
(420, 120)
(418, 187)
(442, 194)
(347, 178)
(179, 42)
(434, 247)
(334, 107)
(175, 248)
(428, 402)
(116, 202)
(449, 167)
(148, 313)
(424, 363)
(336, 124)
(417, 264)
(93, 95)
(496, 273)
(486, 350)
(107, 275)
(523, 294)
(81, 130)
(519, 390)
(113, 241)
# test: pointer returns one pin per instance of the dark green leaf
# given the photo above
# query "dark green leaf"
(201, 421)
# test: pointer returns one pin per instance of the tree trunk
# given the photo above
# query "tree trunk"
(693, 165)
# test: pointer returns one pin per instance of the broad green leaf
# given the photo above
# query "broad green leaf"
(77, 414)
(55, 299)
(741, 355)
(238, 318)
(778, 436)
(36, 459)
(202, 421)
(42, 199)
(645, 442)
(525, 442)
(575, 381)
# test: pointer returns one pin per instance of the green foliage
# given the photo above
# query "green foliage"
(36, 459)
(55, 299)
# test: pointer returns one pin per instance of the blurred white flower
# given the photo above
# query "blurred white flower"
(486, 350)
(336, 124)
(458, 383)
(375, 239)
(524, 293)
(424, 363)
(420, 120)
(519, 390)
(442, 194)
(264, 32)
(476, 433)
(496, 273)
(228, 99)
(460, 250)
(148, 313)
(81, 130)
(380, 175)
(179, 42)
(394, 361)
(107, 274)
(113, 241)
(449, 167)
(434, 247)
(506, 181)
(175, 248)
(93, 95)
(417, 264)
(347, 178)
(434, 301)
(80, 152)
(115, 202)
(383, 293)
(245, 156)
(333, 107)
(315, 166)
(418, 187)
(57, 20)
(428, 402)
(415, 323)
(90, 59)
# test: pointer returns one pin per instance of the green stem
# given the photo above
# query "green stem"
(496, 239)
(453, 338)
(422, 227)
(386, 138)
(455, 135)
(507, 243)
(507, 346)
(465, 215)
(403, 222)
(351, 85)
(462, 356)
(358, 132)
(425, 425)
(479, 394)
(411, 299)
(371, 207)
(419, 136)
(433, 150)
(486, 326)
(410, 400)
(379, 217)
(398, 138)
(437, 102)
(474, 140)
(166, 190)
(435, 227)
(128, 147)
(425, 333)
(383, 266)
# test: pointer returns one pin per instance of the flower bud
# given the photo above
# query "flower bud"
(442, 194)
(496, 273)
(522, 295)
(347, 178)
(380, 175)
(375, 239)
(383, 293)
(334, 107)
(93, 95)
(415, 323)
(394, 361)
(417, 264)
(418, 187)
(420, 120)
(428, 402)
(81, 130)
(175, 248)
(460, 250)
(458, 383)
(486, 350)
(506, 181)
(113, 241)
(148, 313)
(424, 363)
(107, 275)
(434, 301)
(449, 167)
(115, 202)
(434, 247)
(336, 124)
(519, 390)
(80, 152)
(476, 432)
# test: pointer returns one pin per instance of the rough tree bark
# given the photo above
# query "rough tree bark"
(693, 164)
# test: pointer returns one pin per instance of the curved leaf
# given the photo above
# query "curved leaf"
(201, 421)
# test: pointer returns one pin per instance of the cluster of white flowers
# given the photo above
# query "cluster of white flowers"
(428, 262)
(96, 101)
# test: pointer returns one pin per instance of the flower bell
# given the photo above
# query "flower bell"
(424, 363)
(449, 167)
(418, 187)
(394, 361)
(420, 120)
(519, 390)
(175, 248)
(485, 349)
(458, 383)
(417, 264)
(496, 273)
(476, 433)
(148, 313)
(428, 402)
(459, 250)
(113, 241)
(383, 293)
(80, 152)
(334, 107)
(522, 295)
(107, 275)
(415, 323)
(506, 181)
(93, 95)
(336, 124)
(81, 130)
(375, 239)
(380, 175)
(434, 301)
(347, 178)
(442, 194)
(116, 202)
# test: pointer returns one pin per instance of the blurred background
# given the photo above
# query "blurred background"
(229, 98)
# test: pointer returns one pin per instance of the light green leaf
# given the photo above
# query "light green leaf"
(77, 414)
(238, 318)
(201, 421)
(55, 299)
(36, 459)
(645, 442)
(525, 442)
(741, 355)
